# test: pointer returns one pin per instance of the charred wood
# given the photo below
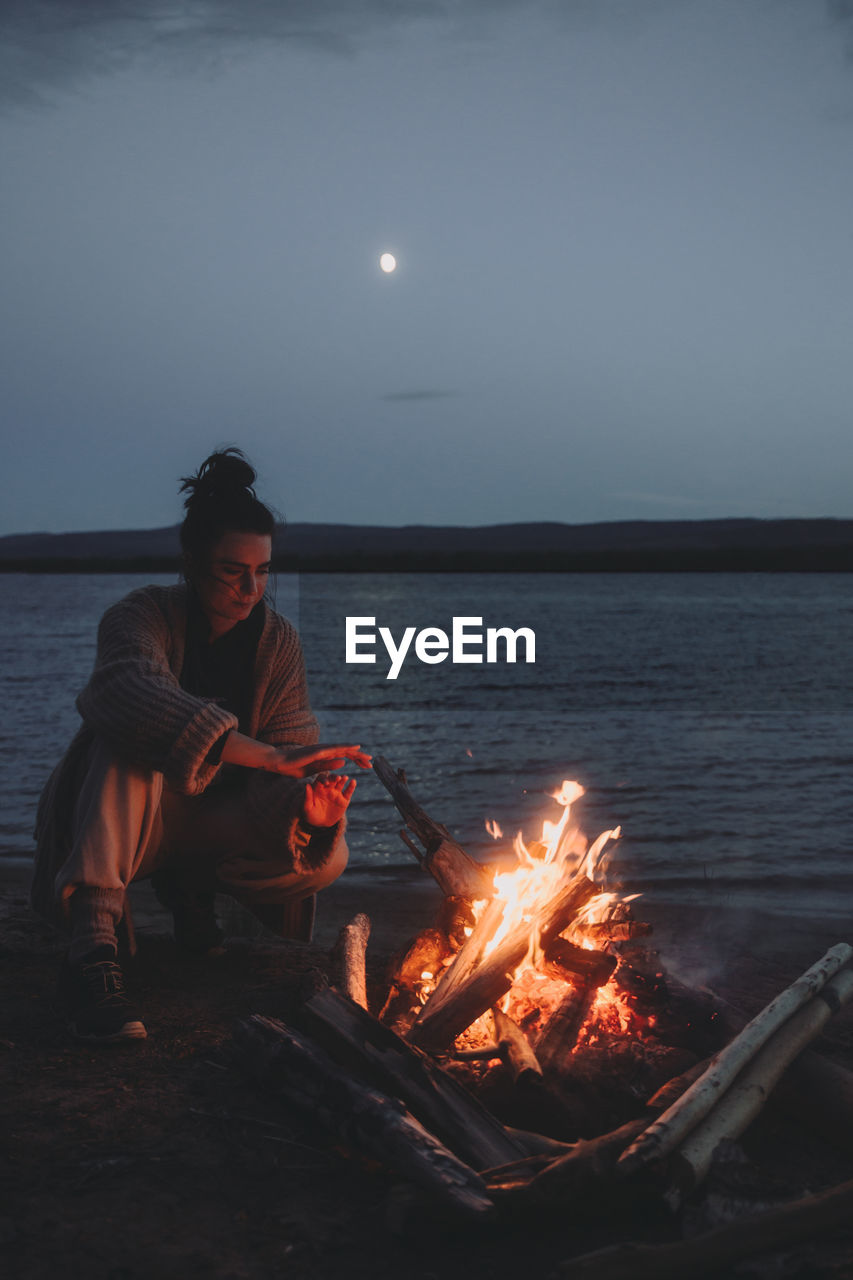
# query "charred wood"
(410, 973)
(516, 1050)
(616, 931)
(366, 1119)
(560, 1033)
(455, 871)
(455, 915)
(362, 1044)
(564, 960)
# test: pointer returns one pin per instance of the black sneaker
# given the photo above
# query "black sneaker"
(98, 1007)
(197, 932)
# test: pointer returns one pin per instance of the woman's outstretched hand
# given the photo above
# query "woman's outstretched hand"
(299, 762)
(293, 762)
(326, 799)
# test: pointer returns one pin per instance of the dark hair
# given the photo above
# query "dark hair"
(221, 498)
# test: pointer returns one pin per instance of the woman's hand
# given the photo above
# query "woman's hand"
(299, 762)
(326, 799)
(293, 762)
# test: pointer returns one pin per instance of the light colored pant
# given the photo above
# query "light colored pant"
(128, 823)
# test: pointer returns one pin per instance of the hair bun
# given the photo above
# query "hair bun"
(224, 474)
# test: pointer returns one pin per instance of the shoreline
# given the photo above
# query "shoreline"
(699, 943)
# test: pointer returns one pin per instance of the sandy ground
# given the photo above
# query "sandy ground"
(162, 1159)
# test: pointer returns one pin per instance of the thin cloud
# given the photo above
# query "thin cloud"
(50, 45)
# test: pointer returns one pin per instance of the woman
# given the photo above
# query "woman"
(194, 762)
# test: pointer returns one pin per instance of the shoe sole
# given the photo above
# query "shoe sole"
(130, 1031)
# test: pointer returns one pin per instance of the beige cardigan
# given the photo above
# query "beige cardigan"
(134, 701)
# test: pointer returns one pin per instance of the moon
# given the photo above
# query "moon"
(387, 263)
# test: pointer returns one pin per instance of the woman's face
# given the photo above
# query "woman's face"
(234, 579)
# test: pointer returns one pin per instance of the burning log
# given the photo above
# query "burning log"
(516, 1050)
(461, 997)
(420, 964)
(714, 1252)
(366, 1119)
(531, 1101)
(455, 919)
(560, 1033)
(564, 960)
(352, 947)
(617, 930)
(455, 871)
(746, 1096)
(666, 1133)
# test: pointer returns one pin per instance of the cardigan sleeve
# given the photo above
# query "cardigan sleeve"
(135, 703)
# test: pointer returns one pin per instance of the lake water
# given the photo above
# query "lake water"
(711, 716)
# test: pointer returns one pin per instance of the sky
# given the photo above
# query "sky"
(624, 241)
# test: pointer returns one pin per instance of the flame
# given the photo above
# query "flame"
(542, 867)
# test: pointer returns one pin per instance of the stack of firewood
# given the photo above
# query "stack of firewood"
(393, 1098)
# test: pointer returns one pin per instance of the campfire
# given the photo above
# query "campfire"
(524, 968)
(532, 948)
(536, 991)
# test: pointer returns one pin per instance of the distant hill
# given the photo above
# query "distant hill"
(627, 545)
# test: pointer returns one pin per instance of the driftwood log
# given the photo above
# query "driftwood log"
(560, 1181)
(362, 1044)
(674, 1125)
(586, 1169)
(709, 1253)
(447, 862)
(743, 1100)
(352, 949)
(366, 1119)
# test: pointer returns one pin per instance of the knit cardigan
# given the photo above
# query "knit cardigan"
(135, 703)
